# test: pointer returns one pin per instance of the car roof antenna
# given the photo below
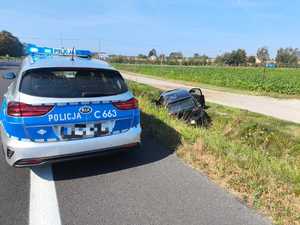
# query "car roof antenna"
(73, 53)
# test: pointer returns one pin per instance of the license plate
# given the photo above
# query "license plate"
(83, 131)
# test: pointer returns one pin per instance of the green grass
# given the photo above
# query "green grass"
(10, 58)
(282, 81)
(254, 156)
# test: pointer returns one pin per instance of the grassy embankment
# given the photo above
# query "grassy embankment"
(280, 82)
(254, 156)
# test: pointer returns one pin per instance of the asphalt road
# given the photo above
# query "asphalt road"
(149, 186)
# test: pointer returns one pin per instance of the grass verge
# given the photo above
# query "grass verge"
(254, 156)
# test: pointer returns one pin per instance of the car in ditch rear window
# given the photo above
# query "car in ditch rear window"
(188, 105)
(60, 108)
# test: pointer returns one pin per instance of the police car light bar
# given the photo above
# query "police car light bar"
(31, 49)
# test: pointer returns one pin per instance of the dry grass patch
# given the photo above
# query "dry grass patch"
(264, 193)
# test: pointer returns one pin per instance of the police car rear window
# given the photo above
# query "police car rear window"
(72, 83)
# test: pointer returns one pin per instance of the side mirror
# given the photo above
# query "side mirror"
(9, 76)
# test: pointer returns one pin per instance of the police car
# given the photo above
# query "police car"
(62, 107)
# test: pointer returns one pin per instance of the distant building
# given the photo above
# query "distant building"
(211, 60)
(257, 60)
(271, 63)
(153, 58)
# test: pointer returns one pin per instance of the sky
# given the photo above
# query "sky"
(132, 27)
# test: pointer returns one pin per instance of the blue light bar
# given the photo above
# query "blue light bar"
(34, 50)
(31, 49)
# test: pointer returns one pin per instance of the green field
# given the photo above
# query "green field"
(255, 156)
(282, 81)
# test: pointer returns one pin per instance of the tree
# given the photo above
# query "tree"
(235, 58)
(238, 57)
(287, 57)
(162, 58)
(118, 59)
(251, 60)
(142, 56)
(10, 45)
(196, 55)
(223, 59)
(199, 59)
(152, 53)
(263, 55)
(176, 55)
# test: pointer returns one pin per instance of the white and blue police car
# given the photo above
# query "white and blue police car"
(59, 108)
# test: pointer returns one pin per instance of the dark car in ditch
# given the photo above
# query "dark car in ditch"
(188, 105)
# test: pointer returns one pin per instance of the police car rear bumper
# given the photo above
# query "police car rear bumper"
(27, 153)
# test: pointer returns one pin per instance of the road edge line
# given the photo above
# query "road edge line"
(43, 206)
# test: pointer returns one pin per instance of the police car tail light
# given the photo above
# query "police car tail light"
(129, 104)
(19, 109)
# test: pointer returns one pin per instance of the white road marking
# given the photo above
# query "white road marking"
(43, 209)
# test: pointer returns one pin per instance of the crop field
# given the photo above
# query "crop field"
(254, 156)
(282, 81)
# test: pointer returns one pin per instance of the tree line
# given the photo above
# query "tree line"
(286, 57)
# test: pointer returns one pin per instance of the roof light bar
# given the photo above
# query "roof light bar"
(31, 49)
